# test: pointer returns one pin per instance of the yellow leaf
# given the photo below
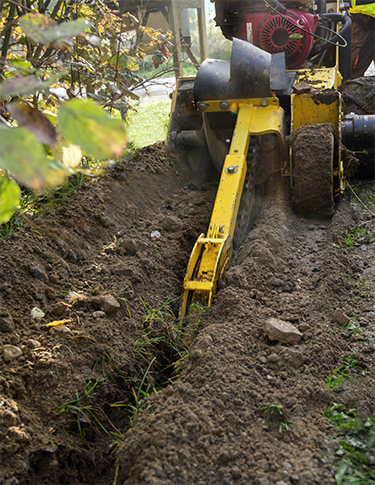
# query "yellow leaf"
(56, 323)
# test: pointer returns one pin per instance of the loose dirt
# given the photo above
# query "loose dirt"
(108, 266)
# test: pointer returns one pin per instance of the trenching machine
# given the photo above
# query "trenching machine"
(272, 113)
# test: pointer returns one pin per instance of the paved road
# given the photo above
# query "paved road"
(157, 90)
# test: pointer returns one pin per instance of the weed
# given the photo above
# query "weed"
(122, 296)
(351, 366)
(357, 237)
(83, 412)
(276, 416)
(356, 446)
(163, 331)
(32, 203)
(140, 394)
(360, 290)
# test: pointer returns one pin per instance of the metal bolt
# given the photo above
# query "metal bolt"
(224, 104)
(202, 105)
(264, 102)
(231, 169)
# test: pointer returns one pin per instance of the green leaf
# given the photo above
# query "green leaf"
(86, 124)
(42, 29)
(340, 472)
(23, 156)
(9, 198)
(23, 85)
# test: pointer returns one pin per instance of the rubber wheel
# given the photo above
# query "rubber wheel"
(313, 151)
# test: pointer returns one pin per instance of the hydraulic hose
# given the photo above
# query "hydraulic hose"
(358, 131)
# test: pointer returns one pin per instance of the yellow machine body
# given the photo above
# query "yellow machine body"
(314, 99)
(211, 254)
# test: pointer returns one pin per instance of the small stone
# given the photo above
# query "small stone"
(38, 272)
(107, 303)
(60, 329)
(236, 276)
(302, 87)
(273, 358)
(37, 313)
(11, 352)
(98, 314)
(236, 473)
(54, 278)
(172, 224)
(51, 294)
(263, 464)
(17, 433)
(33, 344)
(155, 234)
(340, 318)
(130, 246)
(60, 308)
(294, 357)
(282, 331)
(6, 322)
(45, 355)
(11, 448)
(277, 282)
(106, 221)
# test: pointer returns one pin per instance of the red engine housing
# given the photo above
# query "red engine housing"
(274, 33)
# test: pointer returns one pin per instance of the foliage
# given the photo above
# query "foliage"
(350, 366)
(356, 446)
(275, 415)
(361, 290)
(32, 203)
(218, 46)
(357, 237)
(83, 410)
(84, 48)
(164, 343)
(148, 123)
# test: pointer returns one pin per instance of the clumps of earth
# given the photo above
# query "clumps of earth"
(101, 384)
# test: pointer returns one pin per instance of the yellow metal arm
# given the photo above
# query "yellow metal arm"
(212, 253)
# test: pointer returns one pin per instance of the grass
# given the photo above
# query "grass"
(276, 417)
(148, 123)
(361, 290)
(164, 343)
(350, 366)
(84, 412)
(33, 204)
(163, 332)
(355, 452)
(357, 237)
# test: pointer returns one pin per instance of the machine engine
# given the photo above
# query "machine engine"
(271, 26)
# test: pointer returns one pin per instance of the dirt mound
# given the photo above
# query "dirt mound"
(89, 297)
(97, 264)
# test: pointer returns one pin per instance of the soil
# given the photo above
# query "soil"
(106, 270)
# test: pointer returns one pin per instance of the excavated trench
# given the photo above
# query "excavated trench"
(245, 408)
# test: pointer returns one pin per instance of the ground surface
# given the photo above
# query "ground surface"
(247, 407)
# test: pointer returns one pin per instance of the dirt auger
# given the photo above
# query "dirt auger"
(274, 110)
